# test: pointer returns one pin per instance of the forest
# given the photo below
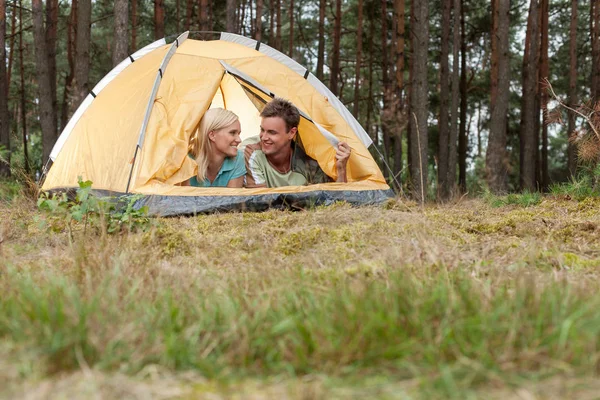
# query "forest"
(455, 94)
(477, 280)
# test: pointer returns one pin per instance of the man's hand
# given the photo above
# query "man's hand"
(342, 154)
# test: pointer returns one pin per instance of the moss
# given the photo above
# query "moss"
(292, 242)
(572, 260)
(169, 241)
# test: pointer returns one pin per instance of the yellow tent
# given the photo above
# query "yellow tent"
(131, 133)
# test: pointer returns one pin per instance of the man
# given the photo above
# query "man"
(276, 160)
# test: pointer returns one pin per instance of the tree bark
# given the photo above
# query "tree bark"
(231, 7)
(321, 50)
(4, 116)
(372, 135)
(358, 59)
(71, 39)
(543, 93)
(203, 20)
(399, 104)
(573, 98)
(595, 34)
(496, 168)
(278, 37)
(335, 53)
(22, 97)
(386, 120)
(243, 18)
(452, 141)
(120, 31)
(462, 133)
(443, 139)
(133, 25)
(418, 97)
(291, 37)
(47, 112)
(51, 26)
(159, 19)
(529, 133)
(259, 12)
(82, 51)
(271, 23)
(11, 46)
(189, 11)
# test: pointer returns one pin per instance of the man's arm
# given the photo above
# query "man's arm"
(255, 176)
(342, 154)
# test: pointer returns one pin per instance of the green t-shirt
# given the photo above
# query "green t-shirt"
(232, 168)
(304, 170)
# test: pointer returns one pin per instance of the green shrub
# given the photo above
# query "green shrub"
(110, 214)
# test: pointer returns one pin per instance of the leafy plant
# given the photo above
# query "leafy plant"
(87, 209)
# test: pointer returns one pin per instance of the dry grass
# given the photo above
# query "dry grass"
(338, 302)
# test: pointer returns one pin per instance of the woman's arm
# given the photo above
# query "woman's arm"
(236, 183)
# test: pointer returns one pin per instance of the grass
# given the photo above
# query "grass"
(525, 199)
(461, 301)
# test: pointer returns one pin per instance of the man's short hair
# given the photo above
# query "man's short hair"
(282, 108)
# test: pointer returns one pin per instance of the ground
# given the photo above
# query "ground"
(474, 299)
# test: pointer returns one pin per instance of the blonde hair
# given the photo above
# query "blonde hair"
(200, 144)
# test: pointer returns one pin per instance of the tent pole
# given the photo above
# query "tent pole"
(131, 170)
(163, 66)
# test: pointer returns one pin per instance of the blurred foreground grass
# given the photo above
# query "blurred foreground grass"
(455, 301)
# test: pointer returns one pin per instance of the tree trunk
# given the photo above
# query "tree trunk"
(203, 17)
(120, 31)
(231, 6)
(278, 37)
(358, 59)
(177, 15)
(372, 135)
(243, 18)
(271, 23)
(291, 38)
(22, 97)
(543, 93)
(133, 25)
(452, 142)
(82, 51)
(418, 98)
(335, 53)
(399, 104)
(68, 91)
(11, 46)
(385, 114)
(529, 134)
(259, 12)
(462, 133)
(51, 26)
(4, 122)
(47, 112)
(573, 99)
(159, 19)
(189, 11)
(321, 51)
(443, 139)
(595, 34)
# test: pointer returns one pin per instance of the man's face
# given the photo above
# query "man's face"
(274, 137)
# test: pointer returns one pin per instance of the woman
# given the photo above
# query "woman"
(214, 147)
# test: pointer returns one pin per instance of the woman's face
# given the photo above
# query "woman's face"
(226, 140)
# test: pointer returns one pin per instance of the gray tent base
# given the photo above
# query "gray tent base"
(165, 206)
